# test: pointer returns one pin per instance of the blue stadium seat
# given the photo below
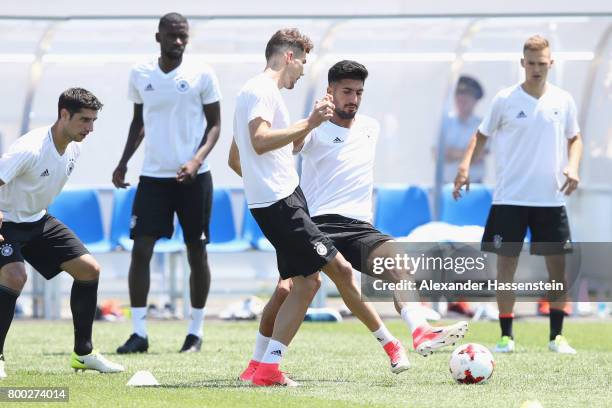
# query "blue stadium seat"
(223, 237)
(400, 209)
(80, 211)
(252, 234)
(123, 199)
(471, 209)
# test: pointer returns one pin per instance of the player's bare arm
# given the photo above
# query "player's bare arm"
(264, 139)
(298, 144)
(574, 150)
(189, 170)
(234, 159)
(135, 136)
(472, 152)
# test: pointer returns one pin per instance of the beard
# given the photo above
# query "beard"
(174, 54)
(345, 115)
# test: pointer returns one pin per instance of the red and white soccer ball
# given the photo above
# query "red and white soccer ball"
(471, 364)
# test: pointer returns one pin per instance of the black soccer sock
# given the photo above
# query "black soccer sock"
(83, 300)
(506, 326)
(8, 299)
(556, 322)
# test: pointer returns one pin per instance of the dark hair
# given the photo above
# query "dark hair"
(75, 99)
(347, 69)
(469, 85)
(288, 38)
(171, 18)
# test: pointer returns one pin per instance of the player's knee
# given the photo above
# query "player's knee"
(505, 275)
(396, 275)
(196, 252)
(142, 251)
(345, 272)
(14, 277)
(314, 283)
(284, 287)
(91, 271)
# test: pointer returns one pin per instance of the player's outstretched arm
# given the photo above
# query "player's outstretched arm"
(234, 159)
(265, 139)
(574, 151)
(472, 152)
(189, 170)
(135, 136)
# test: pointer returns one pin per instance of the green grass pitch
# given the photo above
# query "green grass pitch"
(337, 365)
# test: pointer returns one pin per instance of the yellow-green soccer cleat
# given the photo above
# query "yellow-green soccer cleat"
(505, 345)
(2, 372)
(94, 361)
(560, 345)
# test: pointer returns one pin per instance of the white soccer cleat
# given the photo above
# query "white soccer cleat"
(397, 357)
(94, 361)
(560, 345)
(2, 372)
(504, 345)
(426, 339)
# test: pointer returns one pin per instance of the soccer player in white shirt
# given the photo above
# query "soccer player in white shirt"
(337, 180)
(174, 98)
(32, 173)
(537, 146)
(261, 153)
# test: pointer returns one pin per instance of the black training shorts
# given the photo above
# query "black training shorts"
(45, 244)
(507, 226)
(301, 248)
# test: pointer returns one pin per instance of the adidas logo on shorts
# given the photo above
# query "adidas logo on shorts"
(338, 140)
(45, 173)
(277, 353)
(149, 88)
(521, 115)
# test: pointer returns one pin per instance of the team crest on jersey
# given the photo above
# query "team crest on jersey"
(182, 85)
(497, 241)
(70, 167)
(6, 250)
(321, 248)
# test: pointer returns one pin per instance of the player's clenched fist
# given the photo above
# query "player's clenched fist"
(323, 110)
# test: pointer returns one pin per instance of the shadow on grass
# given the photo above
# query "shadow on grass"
(229, 384)
(106, 353)
(220, 383)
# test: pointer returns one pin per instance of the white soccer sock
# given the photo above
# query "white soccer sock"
(139, 321)
(413, 316)
(197, 321)
(274, 352)
(261, 344)
(383, 335)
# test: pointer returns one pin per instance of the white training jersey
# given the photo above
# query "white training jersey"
(529, 143)
(338, 168)
(174, 120)
(34, 173)
(271, 176)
